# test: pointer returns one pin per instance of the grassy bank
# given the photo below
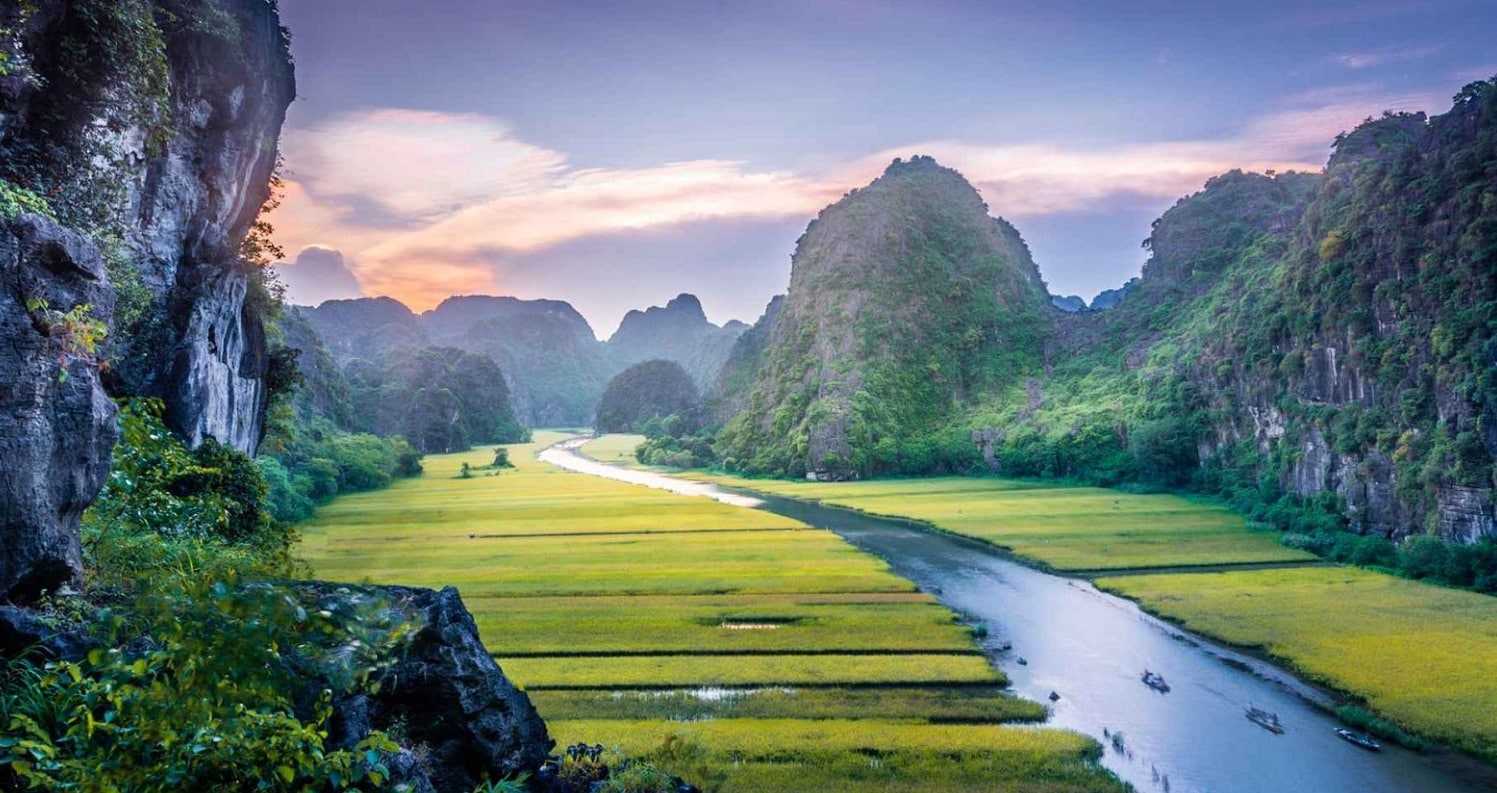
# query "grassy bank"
(1422, 657)
(632, 614)
(1063, 528)
(1425, 657)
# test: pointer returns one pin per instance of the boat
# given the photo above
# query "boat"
(1155, 681)
(1359, 739)
(1266, 720)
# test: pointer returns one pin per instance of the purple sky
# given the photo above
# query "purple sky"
(614, 154)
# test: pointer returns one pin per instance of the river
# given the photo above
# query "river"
(1090, 648)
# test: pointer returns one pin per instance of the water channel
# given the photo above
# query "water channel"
(1090, 648)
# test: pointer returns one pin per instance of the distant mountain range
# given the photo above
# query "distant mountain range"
(554, 365)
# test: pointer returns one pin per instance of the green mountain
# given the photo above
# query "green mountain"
(907, 303)
(1318, 347)
(644, 391)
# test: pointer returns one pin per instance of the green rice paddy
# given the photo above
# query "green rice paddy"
(631, 615)
(1422, 656)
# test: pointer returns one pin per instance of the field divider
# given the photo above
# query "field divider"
(821, 685)
(733, 652)
(632, 533)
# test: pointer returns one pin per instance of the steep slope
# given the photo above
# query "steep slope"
(730, 391)
(678, 332)
(137, 141)
(906, 301)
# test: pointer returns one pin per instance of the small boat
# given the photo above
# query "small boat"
(1117, 741)
(1155, 681)
(1360, 739)
(1023, 662)
(1266, 720)
(1054, 697)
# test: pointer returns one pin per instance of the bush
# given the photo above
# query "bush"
(209, 701)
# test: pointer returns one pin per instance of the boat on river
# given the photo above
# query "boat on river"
(1266, 720)
(1359, 739)
(1155, 681)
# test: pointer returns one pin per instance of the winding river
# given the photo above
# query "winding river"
(1090, 648)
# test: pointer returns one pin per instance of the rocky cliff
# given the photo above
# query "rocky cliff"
(1331, 333)
(137, 142)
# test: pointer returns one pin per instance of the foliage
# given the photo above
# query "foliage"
(75, 334)
(157, 487)
(16, 201)
(309, 462)
(670, 441)
(203, 675)
(648, 391)
(211, 701)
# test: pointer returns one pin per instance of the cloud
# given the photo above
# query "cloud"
(426, 205)
(1367, 60)
(318, 274)
(416, 165)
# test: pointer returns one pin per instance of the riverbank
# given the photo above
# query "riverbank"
(1427, 663)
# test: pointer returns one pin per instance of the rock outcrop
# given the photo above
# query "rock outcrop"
(444, 692)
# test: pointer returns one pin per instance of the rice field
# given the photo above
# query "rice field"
(1422, 656)
(792, 660)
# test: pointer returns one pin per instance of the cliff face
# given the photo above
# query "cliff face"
(1382, 343)
(137, 140)
(906, 301)
(1331, 334)
(56, 422)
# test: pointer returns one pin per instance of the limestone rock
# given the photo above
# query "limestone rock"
(56, 423)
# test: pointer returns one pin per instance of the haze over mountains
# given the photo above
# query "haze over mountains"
(555, 366)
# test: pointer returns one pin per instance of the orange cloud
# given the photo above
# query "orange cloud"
(418, 202)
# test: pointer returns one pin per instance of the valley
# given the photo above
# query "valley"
(778, 655)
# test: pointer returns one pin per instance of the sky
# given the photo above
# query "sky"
(614, 154)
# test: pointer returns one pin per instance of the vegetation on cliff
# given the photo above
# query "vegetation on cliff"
(907, 302)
